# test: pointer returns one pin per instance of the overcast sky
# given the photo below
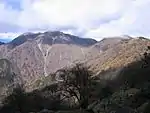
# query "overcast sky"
(86, 18)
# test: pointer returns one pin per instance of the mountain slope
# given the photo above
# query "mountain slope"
(9, 77)
(108, 63)
(40, 54)
(22, 39)
(35, 57)
(119, 55)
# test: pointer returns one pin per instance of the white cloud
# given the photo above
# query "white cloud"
(75, 13)
(89, 18)
(134, 21)
(8, 15)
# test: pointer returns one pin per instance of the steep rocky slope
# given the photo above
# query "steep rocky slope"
(45, 53)
(108, 57)
(40, 54)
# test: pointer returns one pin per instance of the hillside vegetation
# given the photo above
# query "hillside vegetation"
(77, 90)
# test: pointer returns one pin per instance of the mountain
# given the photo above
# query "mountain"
(55, 37)
(119, 81)
(22, 39)
(118, 55)
(39, 54)
(108, 57)
(1, 43)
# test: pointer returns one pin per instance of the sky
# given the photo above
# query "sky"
(85, 18)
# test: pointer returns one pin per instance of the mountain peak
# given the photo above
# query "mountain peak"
(52, 37)
(109, 42)
(27, 33)
(54, 32)
(126, 36)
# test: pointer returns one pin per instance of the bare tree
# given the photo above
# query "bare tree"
(77, 83)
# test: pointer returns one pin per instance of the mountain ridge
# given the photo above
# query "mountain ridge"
(39, 54)
(42, 53)
(55, 37)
